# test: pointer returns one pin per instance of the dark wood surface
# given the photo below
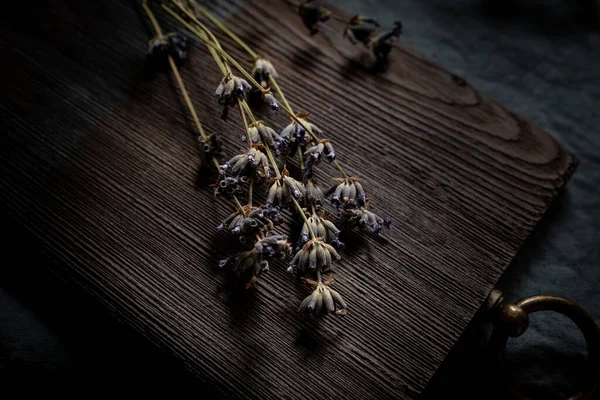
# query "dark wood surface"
(99, 165)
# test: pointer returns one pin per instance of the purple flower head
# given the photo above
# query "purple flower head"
(323, 300)
(322, 228)
(314, 254)
(314, 154)
(348, 193)
(230, 89)
(295, 135)
(284, 189)
(365, 219)
(269, 98)
(250, 162)
(262, 70)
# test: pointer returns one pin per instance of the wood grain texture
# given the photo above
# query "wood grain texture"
(100, 166)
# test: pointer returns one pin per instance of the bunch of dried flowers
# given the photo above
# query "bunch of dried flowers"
(316, 248)
(358, 29)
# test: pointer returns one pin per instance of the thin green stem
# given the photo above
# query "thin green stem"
(272, 160)
(235, 38)
(339, 168)
(248, 111)
(225, 30)
(153, 20)
(221, 63)
(243, 114)
(186, 98)
(219, 50)
(176, 73)
(286, 106)
(319, 275)
(338, 17)
(301, 211)
(250, 186)
(300, 158)
(238, 204)
(279, 92)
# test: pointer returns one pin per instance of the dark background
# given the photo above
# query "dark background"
(540, 59)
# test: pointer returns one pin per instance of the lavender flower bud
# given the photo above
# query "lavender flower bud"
(231, 89)
(178, 47)
(294, 187)
(258, 221)
(314, 155)
(232, 222)
(295, 135)
(229, 186)
(158, 50)
(314, 195)
(284, 189)
(251, 264)
(272, 247)
(210, 147)
(323, 300)
(261, 71)
(171, 44)
(314, 254)
(252, 161)
(269, 98)
(381, 45)
(268, 136)
(253, 134)
(347, 194)
(365, 219)
(321, 228)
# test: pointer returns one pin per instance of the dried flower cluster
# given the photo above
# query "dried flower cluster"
(316, 248)
(358, 29)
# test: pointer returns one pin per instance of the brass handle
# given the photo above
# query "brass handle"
(513, 319)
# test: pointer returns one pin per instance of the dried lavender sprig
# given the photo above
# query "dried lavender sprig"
(267, 145)
(180, 83)
(264, 244)
(267, 149)
(272, 79)
(307, 127)
(258, 86)
(268, 97)
(219, 50)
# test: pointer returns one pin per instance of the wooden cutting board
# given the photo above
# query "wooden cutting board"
(100, 166)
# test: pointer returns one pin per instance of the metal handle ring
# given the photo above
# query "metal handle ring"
(514, 320)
